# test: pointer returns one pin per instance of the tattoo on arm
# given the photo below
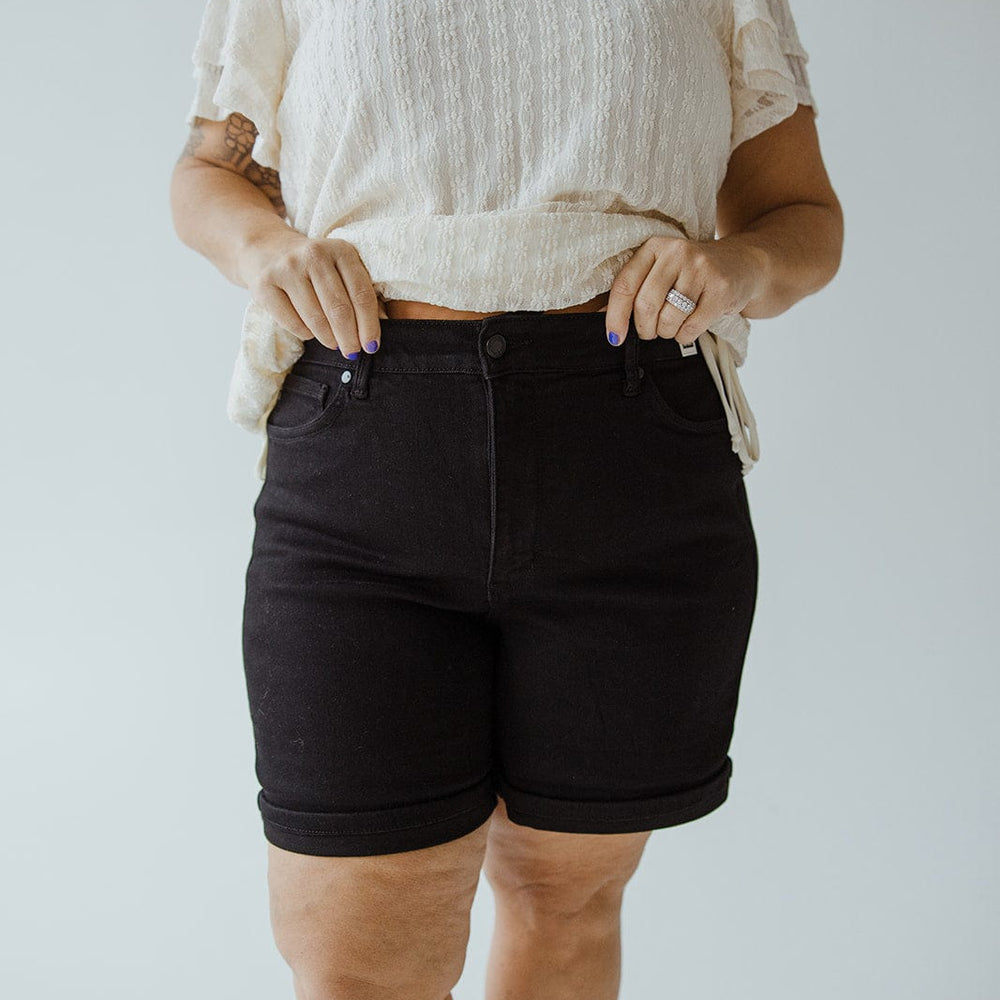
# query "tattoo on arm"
(240, 135)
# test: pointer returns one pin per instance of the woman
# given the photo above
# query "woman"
(501, 260)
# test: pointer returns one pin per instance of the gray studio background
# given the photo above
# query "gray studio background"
(856, 856)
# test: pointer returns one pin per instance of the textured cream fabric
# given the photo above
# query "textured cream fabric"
(495, 155)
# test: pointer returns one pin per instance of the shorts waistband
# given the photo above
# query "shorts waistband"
(525, 340)
(521, 340)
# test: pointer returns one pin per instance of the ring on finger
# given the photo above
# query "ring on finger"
(680, 301)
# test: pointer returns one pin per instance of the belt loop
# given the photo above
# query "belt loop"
(632, 370)
(359, 384)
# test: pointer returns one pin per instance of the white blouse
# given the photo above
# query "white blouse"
(490, 155)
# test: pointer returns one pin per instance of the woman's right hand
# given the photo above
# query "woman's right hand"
(315, 288)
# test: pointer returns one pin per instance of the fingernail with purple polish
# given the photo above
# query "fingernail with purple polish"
(353, 355)
(612, 336)
(372, 346)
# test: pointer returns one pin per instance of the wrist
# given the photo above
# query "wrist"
(758, 266)
(763, 267)
(259, 239)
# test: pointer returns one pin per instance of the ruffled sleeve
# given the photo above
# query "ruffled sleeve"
(769, 78)
(239, 66)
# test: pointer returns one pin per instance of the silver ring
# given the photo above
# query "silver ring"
(680, 301)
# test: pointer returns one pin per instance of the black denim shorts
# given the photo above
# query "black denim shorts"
(499, 556)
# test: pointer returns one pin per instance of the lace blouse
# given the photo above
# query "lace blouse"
(492, 156)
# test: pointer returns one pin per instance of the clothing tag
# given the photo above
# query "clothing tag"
(688, 349)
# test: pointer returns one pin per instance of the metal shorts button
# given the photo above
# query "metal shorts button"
(496, 345)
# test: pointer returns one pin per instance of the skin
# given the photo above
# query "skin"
(396, 926)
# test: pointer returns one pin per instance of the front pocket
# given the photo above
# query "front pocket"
(683, 392)
(308, 402)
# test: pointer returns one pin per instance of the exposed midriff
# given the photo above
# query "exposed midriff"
(413, 309)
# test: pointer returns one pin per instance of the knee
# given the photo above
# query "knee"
(559, 897)
(378, 951)
(345, 987)
(394, 962)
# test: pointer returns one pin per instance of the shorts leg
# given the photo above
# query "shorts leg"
(369, 677)
(371, 719)
(626, 606)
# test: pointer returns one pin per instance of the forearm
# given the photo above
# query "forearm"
(798, 250)
(220, 214)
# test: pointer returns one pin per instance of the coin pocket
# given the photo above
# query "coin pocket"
(307, 403)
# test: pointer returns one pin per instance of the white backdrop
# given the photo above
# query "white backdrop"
(856, 856)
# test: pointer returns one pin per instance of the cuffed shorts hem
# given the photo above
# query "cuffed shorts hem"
(382, 831)
(567, 816)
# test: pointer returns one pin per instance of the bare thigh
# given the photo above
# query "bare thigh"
(560, 874)
(390, 925)
(398, 924)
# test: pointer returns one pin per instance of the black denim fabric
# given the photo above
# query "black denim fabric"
(499, 556)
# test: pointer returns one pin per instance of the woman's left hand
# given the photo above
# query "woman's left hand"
(720, 277)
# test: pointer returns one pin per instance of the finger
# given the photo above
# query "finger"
(652, 318)
(318, 308)
(621, 296)
(709, 308)
(362, 293)
(277, 303)
(672, 317)
(335, 300)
